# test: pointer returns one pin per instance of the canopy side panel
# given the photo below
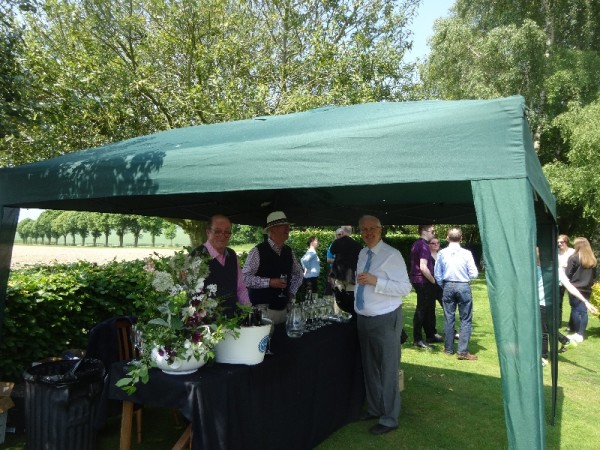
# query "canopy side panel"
(509, 237)
(8, 227)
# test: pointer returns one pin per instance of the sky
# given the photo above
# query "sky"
(422, 29)
(422, 26)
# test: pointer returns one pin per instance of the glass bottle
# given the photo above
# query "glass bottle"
(295, 322)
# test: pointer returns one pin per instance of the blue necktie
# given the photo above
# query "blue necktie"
(360, 299)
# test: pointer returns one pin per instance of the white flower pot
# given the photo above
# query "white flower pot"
(181, 366)
(248, 348)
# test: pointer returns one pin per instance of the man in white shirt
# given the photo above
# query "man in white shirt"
(454, 269)
(381, 282)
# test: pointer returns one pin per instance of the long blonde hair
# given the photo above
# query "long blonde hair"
(583, 249)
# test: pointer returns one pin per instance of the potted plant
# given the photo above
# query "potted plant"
(183, 320)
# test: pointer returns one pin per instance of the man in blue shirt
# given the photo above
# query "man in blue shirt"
(454, 269)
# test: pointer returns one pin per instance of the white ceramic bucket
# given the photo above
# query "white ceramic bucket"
(179, 367)
(249, 348)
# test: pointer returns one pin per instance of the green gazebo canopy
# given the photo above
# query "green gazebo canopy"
(407, 163)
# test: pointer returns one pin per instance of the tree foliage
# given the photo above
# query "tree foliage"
(547, 51)
(107, 70)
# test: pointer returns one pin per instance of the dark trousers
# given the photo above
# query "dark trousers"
(424, 318)
(544, 332)
(311, 284)
(579, 315)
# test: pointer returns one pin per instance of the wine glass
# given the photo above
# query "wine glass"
(136, 341)
(283, 277)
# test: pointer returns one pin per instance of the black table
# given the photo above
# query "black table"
(294, 399)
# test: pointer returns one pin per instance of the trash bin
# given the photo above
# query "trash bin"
(60, 404)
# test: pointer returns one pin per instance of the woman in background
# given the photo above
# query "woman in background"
(581, 272)
(564, 253)
(311, 265)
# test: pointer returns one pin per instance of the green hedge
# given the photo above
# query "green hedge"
(50, 309)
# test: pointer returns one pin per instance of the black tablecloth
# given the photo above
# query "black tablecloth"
(294, 399)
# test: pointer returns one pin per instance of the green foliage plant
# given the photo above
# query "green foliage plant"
(50, 309)
(184, 320)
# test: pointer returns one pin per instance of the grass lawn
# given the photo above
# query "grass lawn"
(446, 404)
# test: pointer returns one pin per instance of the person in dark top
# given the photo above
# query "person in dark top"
(272, 273)
(421, 277)
(581, 272)
(224, 267)
(343, 270)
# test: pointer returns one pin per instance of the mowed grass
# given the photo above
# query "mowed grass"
(446, 404)
(452, 404)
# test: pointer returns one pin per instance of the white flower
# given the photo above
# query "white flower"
(199, 285)
(188, 311)
(162, 281)
(212, 288)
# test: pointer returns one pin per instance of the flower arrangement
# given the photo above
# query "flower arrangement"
(190, 320)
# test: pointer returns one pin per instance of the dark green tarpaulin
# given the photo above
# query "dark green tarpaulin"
(408, 163)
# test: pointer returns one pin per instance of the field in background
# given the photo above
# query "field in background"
(181, 239)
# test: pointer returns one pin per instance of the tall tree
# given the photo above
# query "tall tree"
(547, 51)
(17, 110)
(107, 70)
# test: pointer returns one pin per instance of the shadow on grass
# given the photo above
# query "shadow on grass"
(444, 408)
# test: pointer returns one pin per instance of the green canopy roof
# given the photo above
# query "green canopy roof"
(417, 159)
(408, 163)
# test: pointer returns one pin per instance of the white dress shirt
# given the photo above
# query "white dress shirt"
(389, 267)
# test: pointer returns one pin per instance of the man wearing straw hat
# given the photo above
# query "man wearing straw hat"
(272, 273)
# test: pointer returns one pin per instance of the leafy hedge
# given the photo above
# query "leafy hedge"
(50, 309)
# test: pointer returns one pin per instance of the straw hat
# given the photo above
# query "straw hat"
(276, 218)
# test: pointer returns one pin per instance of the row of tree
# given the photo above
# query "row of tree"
(52, 226)
(76, 74)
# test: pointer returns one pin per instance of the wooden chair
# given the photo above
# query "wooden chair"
(185, 441)
(130, 409)
(127, 353)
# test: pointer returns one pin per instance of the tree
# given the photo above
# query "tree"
(70, 225)
(154, 226)
(546, 51)
(45, 224)
(576, 182)
(24, 229)
(95, 226)
(15, 110)
(107, 222)
(170, 231)
(135, 225)
(121, 225)
(107, 70)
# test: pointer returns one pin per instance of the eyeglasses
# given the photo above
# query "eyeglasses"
(434, 243)
(221, 232)
(560, 242)
(369, 230)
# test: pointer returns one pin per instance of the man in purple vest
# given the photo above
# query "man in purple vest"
(224, 267)
(272, 273)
